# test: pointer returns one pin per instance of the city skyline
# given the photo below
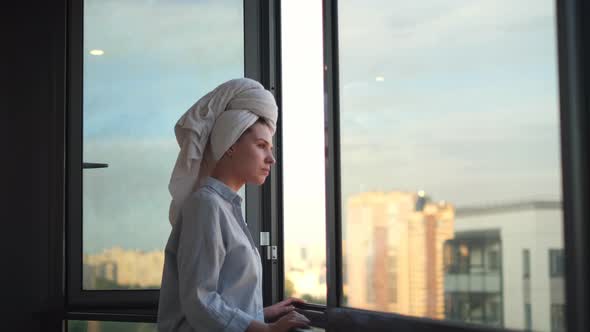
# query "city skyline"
(456, 102)
(474, 255)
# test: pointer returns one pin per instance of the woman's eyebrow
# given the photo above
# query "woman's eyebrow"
(265, 141)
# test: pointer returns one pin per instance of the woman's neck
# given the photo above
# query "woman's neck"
(228, 178)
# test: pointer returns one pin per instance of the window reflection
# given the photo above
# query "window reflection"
(450, 161)
(399, 237)
(145, 63)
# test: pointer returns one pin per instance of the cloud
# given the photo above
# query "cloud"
(160, 57)
(127, 203)
(204, 33)
(467, 111)
(404, 39)
(468, 108)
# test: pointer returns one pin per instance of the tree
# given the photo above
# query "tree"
(289, 288)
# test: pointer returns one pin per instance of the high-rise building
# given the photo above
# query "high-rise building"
(505, 266)
(394, 252)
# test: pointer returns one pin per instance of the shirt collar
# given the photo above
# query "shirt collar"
(223, 190)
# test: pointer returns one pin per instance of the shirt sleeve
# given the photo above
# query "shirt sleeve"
(200, 256)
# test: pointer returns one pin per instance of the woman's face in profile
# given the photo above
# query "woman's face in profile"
(253, 156)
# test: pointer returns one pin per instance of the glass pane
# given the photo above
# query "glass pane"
(96, 326)
(304, 211)
(145, 64)
(450, 160)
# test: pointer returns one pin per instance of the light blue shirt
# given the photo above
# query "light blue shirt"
(212, 279)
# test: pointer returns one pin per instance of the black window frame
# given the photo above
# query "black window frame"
(262, 28)
(573, 40)
(141, 305)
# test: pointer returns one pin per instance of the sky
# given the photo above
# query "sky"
(457, 98)
(159, 58)
(467, 110)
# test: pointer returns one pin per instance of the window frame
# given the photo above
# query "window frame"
(269, 202)
(141, 305)
(526, 264)
(573, 36)
(572, 43)
(556, 263)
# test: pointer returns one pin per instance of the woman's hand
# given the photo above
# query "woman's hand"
(277, 310)
(287, 322)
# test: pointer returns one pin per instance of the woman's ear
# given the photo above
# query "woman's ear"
(230, 151)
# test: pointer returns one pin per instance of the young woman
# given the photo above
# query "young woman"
(212, 278)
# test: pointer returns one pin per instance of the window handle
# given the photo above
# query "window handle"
(94, 165)
(309, 306)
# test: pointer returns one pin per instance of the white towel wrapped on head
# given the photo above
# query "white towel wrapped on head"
(210, 127)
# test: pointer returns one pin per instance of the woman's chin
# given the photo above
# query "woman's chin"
(260, 180)
(257, 181)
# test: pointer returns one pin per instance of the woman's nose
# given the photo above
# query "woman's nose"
(270, 159)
